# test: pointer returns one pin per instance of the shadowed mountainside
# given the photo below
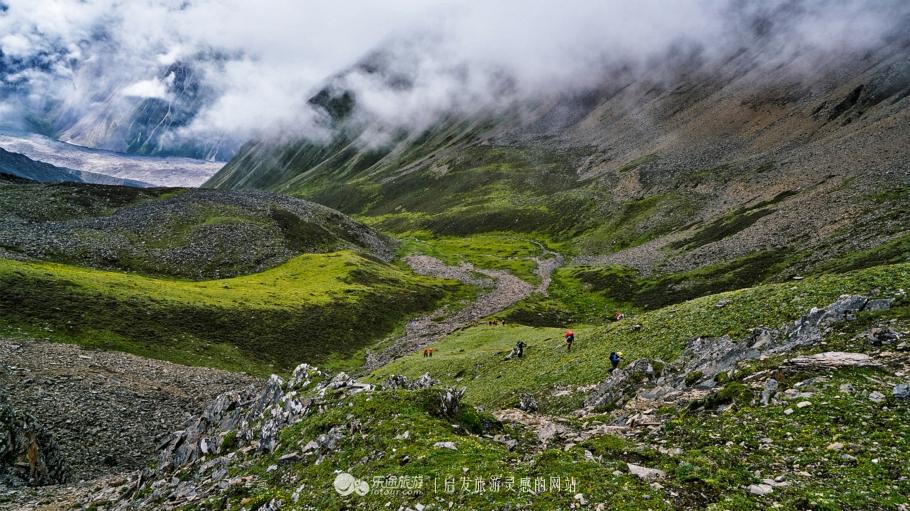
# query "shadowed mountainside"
(690, 164)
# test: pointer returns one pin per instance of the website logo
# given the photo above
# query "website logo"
(346, 484)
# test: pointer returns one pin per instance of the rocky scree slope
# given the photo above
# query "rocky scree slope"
(28, 453)
(180, 232)
(104, 412)
(237, 425)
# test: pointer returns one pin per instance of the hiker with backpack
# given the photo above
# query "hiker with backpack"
(614, 360)
(517, 351)
(570, 338)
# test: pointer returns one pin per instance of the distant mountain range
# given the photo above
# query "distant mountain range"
(143, 126)
(116, 121)
(19, 165)
(122, 168)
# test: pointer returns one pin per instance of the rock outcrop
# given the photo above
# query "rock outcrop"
(705, 359)
(237, 423)
(622, 384)
(397, 381)
(832, 360)
(28, 454)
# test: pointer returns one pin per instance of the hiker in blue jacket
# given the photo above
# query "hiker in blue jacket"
(614, 360)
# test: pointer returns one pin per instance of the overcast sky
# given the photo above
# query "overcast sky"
(272, 54)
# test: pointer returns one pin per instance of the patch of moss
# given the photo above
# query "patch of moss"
(732, 392)
(693, 378)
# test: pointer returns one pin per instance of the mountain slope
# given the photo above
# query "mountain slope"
(690, 163)
(248, 281)
(776, 420)
(315, 307)
(141, 125)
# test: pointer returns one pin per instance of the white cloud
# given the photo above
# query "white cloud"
(264, 59)
(16, 45)
(153, 88)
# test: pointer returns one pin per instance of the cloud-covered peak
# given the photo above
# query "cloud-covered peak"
(260, 62)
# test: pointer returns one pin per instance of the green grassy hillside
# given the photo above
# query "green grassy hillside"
(321, 308)
(842, 450)
(720, 455)
(458, 479)
(474, 358)
(495, 251)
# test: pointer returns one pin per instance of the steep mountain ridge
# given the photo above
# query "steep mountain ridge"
(686, 164)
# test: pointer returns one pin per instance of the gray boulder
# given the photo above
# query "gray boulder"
(880, 336)
(769, 391)
(810, 328)
(527, 403)
(622, 384)
(450, 402)
(397, 381)
(645, 473)
(832, 360)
